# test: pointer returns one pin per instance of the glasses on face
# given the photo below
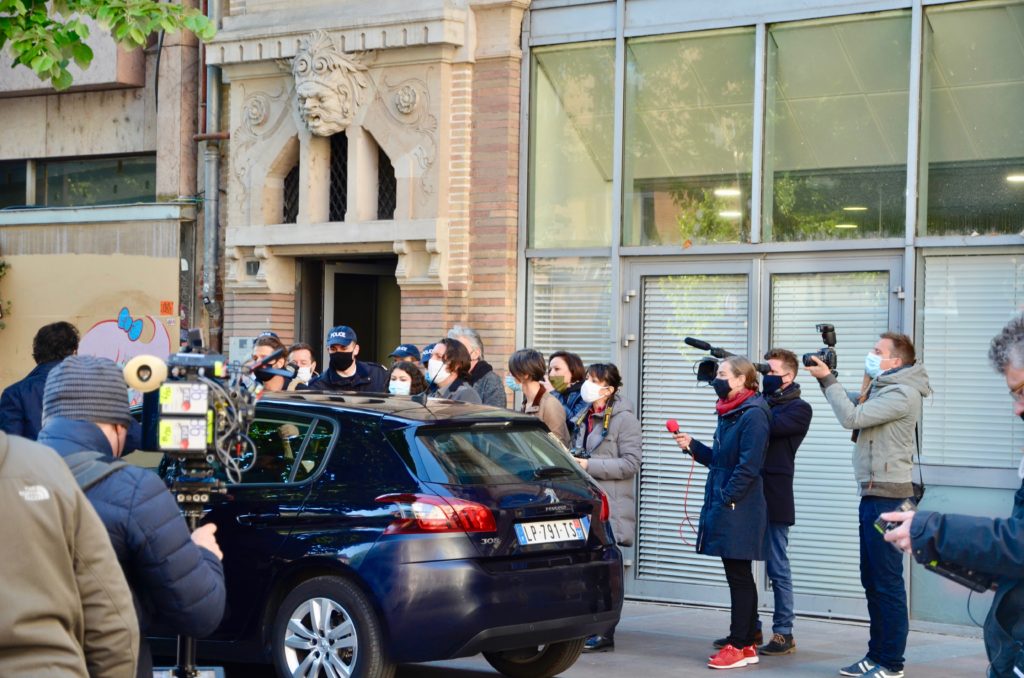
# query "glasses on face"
(1017, 393)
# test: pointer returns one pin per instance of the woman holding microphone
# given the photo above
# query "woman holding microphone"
(734, 518)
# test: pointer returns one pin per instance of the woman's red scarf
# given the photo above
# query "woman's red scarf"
(726, 406)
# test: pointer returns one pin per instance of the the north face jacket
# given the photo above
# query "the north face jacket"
(65, 607)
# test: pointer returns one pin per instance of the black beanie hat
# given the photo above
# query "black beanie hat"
(87, 388)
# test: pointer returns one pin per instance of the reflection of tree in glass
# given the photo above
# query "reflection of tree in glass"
(700, 217)
(811, 206)
(702, 305)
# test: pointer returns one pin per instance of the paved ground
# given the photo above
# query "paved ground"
(662, 641)
(656, 641)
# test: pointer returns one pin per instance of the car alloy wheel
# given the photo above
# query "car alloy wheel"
(320, 632)
(327, 627)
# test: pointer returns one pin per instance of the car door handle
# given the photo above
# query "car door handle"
(257, 518)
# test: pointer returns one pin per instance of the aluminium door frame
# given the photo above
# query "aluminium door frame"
(630, 356)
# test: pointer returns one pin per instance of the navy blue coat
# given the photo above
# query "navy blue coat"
(174, 582)
(21, 405)
(994, 546)
(734, 518)
(368, 378)
(791, 417)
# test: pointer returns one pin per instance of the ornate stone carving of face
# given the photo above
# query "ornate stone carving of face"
(330, 85)
(322, 109)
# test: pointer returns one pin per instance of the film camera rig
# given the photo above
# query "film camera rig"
(197, 410)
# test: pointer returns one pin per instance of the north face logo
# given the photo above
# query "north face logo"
(34, 493)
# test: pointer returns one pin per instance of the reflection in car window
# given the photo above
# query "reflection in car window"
(278, 437)
(316, 448)
(480, 455)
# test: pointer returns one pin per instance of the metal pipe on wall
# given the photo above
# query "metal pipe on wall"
(211, 190)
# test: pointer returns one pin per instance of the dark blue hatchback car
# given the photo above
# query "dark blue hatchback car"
(372, 531)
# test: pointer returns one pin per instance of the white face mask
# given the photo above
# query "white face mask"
(396, 387)
(304, 374)
(590, 392)
(437, 373)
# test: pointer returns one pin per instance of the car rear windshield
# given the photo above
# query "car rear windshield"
(480, 455)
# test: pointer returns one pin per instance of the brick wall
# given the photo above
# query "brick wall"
(248, 314)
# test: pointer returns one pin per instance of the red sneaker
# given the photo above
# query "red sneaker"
(750, 652)
(729, 657)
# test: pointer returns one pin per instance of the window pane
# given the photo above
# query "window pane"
(12, 183)
(968, 420)
(688, 139)
(316, 449)
(278, 438)
(836, 137)
(97, 181)
(973, 149)
(571, 146)
(570, 306)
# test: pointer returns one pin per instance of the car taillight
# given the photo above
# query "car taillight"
(418, 513)
(606, 509)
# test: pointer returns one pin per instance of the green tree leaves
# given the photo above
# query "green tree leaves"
(48, 36)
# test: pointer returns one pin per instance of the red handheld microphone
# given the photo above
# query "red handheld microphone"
(672, 425)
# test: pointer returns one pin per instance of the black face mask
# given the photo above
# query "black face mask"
(342, 360)
(262, 376)
(771, 383)
(722, 388)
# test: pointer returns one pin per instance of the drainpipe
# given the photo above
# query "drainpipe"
(210, 81)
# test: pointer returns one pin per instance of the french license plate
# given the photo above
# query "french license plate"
(548, 531)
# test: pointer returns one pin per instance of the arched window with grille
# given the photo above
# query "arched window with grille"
(290, 198)
(339, 176)
(387, 186)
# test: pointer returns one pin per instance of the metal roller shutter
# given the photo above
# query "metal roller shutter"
(570, 307)
(709, 307)
(967, 300)
(824, 547)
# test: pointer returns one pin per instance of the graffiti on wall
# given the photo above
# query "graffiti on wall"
(123, 337)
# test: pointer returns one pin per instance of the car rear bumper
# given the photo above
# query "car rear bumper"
(454, 608)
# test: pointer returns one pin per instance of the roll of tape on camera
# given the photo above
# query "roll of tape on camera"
(145, 373)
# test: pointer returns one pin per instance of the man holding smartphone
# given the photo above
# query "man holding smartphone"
(993, 546)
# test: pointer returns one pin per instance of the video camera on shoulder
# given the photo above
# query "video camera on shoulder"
(197, 411)
(707, 368)
(827, 354)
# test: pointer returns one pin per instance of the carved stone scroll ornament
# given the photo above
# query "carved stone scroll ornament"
(408, 103)
(330, 85)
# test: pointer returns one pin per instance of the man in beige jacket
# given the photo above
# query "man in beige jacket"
(65, 607)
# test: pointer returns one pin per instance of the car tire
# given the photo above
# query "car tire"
(328, 620)
(537, 662)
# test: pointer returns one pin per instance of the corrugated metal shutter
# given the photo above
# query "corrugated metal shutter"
(967, 300)
(570, 304)
(824, 547)
(709, 307)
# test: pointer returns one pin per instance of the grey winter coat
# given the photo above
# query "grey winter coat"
(488, 385)
(459, 390)
(615, 457)
(883, 459)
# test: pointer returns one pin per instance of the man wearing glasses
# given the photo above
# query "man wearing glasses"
(992, 546)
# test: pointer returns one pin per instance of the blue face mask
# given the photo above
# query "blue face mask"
(873, 365)
(511, 384)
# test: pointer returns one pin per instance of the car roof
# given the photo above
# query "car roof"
(435, 410)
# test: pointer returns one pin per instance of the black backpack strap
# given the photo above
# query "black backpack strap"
(88, 468)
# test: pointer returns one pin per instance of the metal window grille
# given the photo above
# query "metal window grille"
(290, 200)
(387, 186)
(339, 176)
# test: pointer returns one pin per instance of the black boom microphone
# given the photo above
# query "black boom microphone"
(705, 346)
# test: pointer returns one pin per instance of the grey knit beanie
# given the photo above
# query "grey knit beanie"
(87, 388)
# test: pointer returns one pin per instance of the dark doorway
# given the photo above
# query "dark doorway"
(364, 295)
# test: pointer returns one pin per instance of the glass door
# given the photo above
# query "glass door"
(858, 297)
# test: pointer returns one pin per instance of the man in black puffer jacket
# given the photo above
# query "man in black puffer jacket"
(176, 579)
(791, 417)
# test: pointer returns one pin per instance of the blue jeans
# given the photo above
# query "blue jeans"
(779, 572)
(881, 574)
